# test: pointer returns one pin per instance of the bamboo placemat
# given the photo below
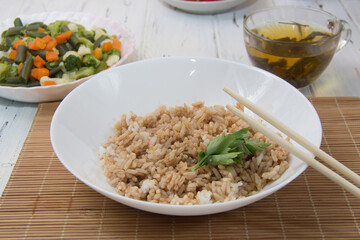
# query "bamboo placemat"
(44, 201)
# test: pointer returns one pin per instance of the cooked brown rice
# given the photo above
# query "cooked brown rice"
(151, 157)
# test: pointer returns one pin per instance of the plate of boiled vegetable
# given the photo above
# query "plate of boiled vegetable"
(45, 56)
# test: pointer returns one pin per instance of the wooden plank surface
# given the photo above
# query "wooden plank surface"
(160, 30)
(44, 201)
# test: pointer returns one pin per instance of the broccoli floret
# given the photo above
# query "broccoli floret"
(3, 47)
(82, 72)
(113, 51)
(102, 66)
(87, 43)
(13, 71)
(4, 70)
(87, 34)
(55, 27)
(72, 62)
(90, 61)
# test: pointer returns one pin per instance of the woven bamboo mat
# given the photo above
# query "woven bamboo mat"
(44, 201)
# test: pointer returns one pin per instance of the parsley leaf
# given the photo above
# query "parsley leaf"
(229, 149)
(220, 144)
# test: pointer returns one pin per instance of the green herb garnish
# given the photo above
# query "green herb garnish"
(228, 149)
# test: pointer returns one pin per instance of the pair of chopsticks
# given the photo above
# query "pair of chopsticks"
(301, 141)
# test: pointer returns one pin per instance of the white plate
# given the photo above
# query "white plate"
(58, 92)
(211, 7)
(142, 86)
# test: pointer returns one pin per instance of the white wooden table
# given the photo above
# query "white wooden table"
(161, 31)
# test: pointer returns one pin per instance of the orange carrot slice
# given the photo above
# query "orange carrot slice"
(18, 42)
(12, 54)
(40, 43)
(47, 38)
(38, 73)
(116, 44)
(107, 46)
(33, 46)
(51, 45)
(20, 66)
(52, 56)
(98, 53)
(38, 62)
(48, 83)
(63, 37)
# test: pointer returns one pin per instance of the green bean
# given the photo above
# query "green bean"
(68, 45)
(4, 47)
(20, 53)
(36, 34)
(33, 26)
(9, 40)
(31, 84)
(64, 28)
(14, 31)
(53, 64)
(59, 74)
(74, 41)
(18, 22)
(99, 40)
(5, 59)
(26, 70)
(90, 38)
(3, 34)
(8, 84)
(54, 71)
(14, 80)
(41, 53)
(62, 49)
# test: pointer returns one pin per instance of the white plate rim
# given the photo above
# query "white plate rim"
(4, 24)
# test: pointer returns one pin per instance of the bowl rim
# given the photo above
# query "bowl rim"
(113, 195)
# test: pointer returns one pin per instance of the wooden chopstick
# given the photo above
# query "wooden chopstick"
(296, 137)
(292, 149)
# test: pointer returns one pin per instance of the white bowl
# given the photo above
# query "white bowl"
(142, 86)
(204, 7)
(58, 92)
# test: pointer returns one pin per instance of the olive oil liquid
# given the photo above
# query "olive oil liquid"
(297, 53)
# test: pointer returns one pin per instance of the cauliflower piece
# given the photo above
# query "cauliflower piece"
(73, 27)
(106, 40)
(83, 50)
(98, 32)
(56, 80)
(113, 59)
(62, 80)
(4, 54)
(68, 53)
